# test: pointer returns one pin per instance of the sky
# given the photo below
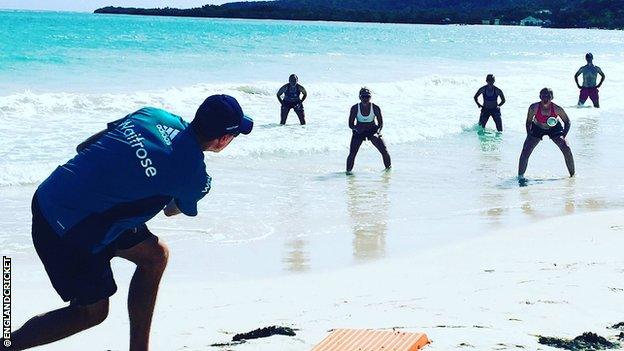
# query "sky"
(90, 5)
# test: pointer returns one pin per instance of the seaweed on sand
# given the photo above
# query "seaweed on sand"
(258, 333)
(586, 342)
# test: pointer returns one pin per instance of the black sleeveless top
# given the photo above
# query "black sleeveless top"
(292, 93)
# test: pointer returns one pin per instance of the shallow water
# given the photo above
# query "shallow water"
(280, 200)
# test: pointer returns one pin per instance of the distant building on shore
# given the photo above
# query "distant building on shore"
(495, 22)
(531, 21)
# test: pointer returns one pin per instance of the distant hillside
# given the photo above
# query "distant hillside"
(420, 5)
(559, 13)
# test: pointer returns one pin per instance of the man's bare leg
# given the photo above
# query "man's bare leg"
(150, 257)
(59, 324)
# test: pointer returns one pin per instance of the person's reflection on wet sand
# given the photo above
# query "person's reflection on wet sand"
(367, 203)
(297, 257)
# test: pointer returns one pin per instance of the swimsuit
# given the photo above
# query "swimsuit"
(494, 112)
(292, 99)
(538, 131)
(366, 120)
(493, 97)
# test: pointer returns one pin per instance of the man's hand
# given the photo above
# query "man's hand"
(171, 209)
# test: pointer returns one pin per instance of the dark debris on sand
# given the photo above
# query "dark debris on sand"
(264, 332)
(228, 344)
(586, 342)
(258, 333)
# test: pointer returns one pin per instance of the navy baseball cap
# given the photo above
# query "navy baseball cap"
(219, 115)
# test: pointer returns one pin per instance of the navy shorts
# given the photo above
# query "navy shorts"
(553, 132)
(296, 105)
(493, 112)
(77, 274)
(365, 135)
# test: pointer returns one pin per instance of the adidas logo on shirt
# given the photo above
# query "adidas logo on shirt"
(167, 133)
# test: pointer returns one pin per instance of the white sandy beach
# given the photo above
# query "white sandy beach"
(557, 277)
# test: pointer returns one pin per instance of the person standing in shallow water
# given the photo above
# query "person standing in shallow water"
(490, 106)
(544, 118)
(294, 94)
(589, 89)
(365, 113)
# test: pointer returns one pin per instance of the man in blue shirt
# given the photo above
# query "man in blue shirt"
(95, 207)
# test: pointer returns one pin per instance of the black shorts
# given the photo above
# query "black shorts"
(364, 135)
(296, 105)
(553, 132)
(77, 274)
(487, 112)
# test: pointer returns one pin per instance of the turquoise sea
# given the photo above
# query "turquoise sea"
(64, 75)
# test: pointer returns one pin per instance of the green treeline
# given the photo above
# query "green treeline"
(557, 13)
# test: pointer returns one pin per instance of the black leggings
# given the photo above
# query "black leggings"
(496, 116)
(298, 107)
(356, 142)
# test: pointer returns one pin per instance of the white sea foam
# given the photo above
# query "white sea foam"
(434, 106)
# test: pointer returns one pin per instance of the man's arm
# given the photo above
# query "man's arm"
(352, 116)
(578, 73)
(502, 96)
(281, 92)
(377, 111)
(564, 117)
(171, 209)
(529, 119)
(476, 97)
(90, 140)
(602, 77)
(304, 92)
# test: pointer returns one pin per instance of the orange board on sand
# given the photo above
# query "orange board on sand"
(372, 340)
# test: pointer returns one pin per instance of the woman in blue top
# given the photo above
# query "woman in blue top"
(292, 99)
(490, 106)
